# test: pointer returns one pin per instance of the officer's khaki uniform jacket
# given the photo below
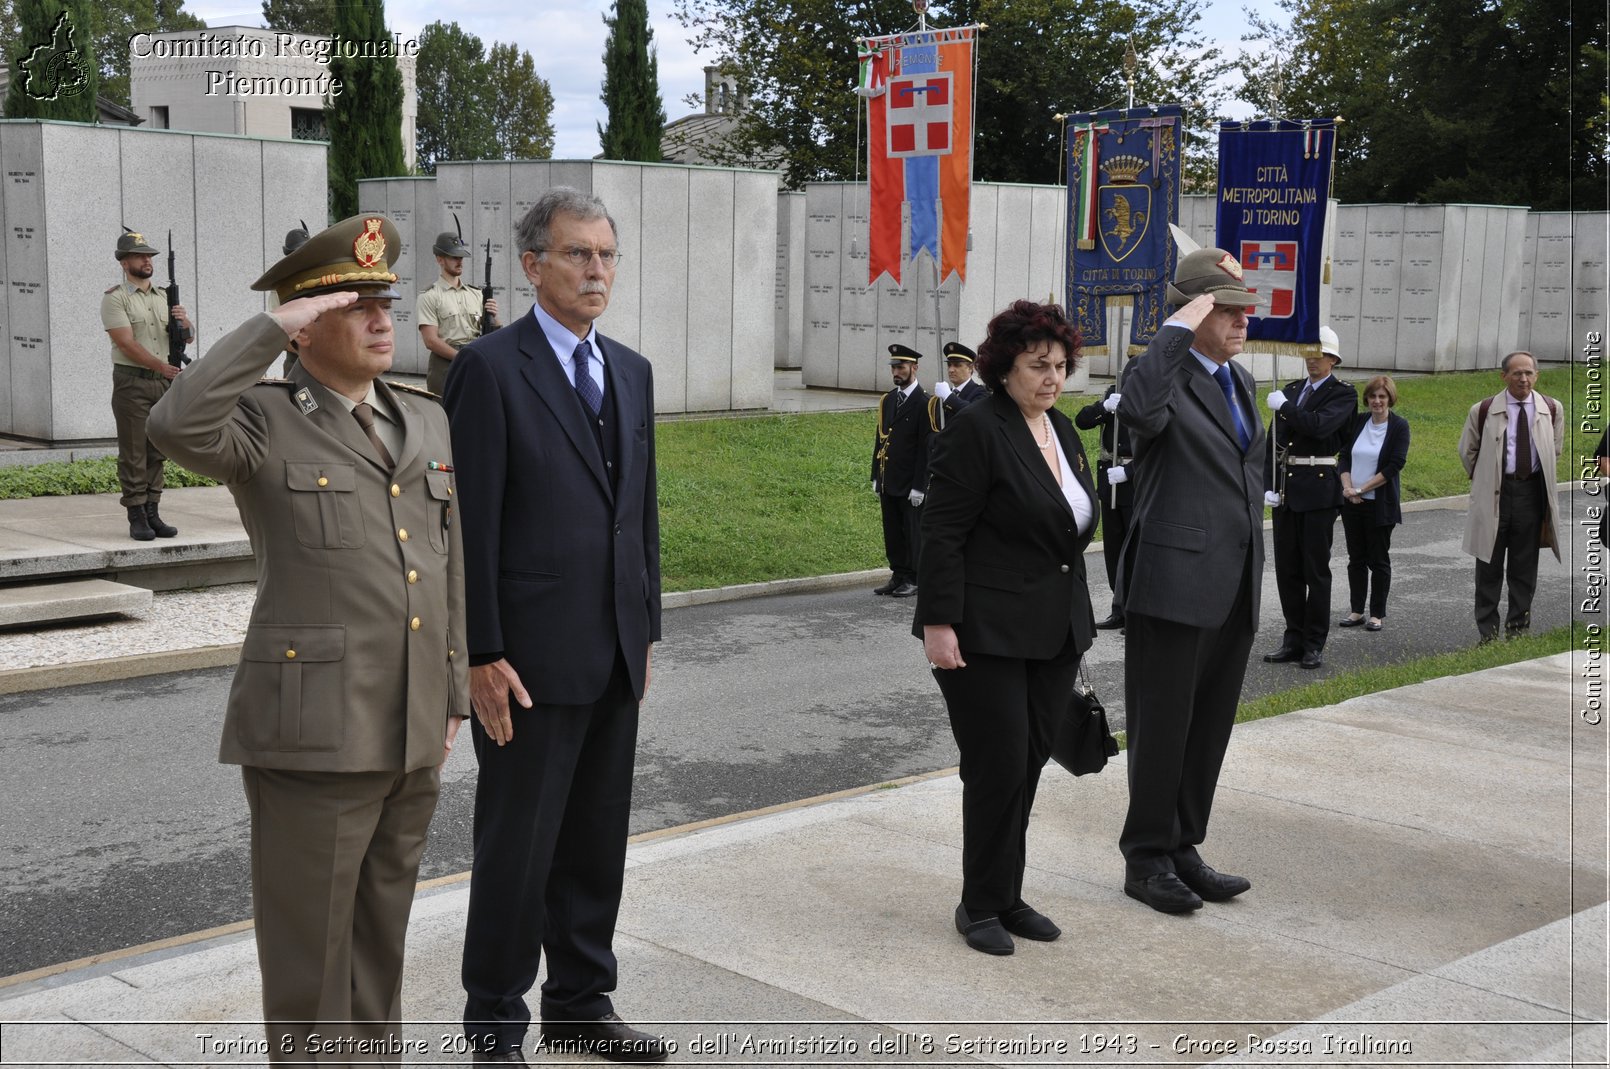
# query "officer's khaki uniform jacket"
(1482, 454)
(355, 657)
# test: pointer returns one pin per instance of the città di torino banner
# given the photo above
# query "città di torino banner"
(1274, 187)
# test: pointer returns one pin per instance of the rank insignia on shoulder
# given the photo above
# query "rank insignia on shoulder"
(304, 400)
(110, 289)
(417, 391)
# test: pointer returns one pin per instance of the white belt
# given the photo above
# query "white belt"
(1315, 462)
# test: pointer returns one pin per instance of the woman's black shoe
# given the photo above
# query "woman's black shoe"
(985, 934)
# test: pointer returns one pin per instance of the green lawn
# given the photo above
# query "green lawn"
(770, 497)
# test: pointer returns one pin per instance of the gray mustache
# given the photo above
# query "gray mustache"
(593, 286)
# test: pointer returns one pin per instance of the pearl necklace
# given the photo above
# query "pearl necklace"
(1045, 432)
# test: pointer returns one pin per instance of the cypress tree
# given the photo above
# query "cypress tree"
(365, 119)
(631, 87)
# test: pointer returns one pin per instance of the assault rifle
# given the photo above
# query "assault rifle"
(177, 335)
(488, 324)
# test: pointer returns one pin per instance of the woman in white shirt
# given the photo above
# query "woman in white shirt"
(1374, 449)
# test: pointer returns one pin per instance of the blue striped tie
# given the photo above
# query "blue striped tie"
(1223, 375)
(590, 394)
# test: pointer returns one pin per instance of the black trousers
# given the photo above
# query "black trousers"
(902, 537)
(1369, 558)
(1003, 712)
(1181, 688)
(1521, 509)
(551, 818)
(1302, 574)
(1114, 526)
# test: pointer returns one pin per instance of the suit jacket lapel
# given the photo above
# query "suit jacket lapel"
(413, 424)
(332, 417)
(622, 397)
(1206, 389)
(1071, 446)
(547, 378)
(1027, 449)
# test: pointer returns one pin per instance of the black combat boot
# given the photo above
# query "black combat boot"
(139, 526)
(160, 529)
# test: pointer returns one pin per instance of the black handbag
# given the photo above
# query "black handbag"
(1083, 741)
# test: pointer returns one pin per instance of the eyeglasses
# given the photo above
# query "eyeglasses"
(581, 257)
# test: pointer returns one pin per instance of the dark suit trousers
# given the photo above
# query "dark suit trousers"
(1521, 509)
(335, 856)
(1302, 574)
(551, 813)
(1369, 558)
(902, 539)
(1003, 712)
(1114, 526)
(1181, 688)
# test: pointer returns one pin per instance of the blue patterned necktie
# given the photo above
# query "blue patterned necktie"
(586, 388)
(1222, 373)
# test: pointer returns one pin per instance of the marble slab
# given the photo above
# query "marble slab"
(5, 314)
(1451, 282)
(1590, 311)
(819, 327)
(620, 187)
(27, 340)
(665, 305)
(1419, 291)
(1380, 286)
(212, 284)
(788, 298)
(754, 314)
(710, 287)
(862, 365)
(977, 304)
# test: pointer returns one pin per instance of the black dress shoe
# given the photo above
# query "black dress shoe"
(513, 1056)
(1026, 922)
(609, 1037)
(904, 590)
(1373, 625)
(1164, 892)
(1214, 886)
(1311, 659)
(1112, 623)
(886, 588)
(1283, 655)
(1350, 621)
(986, 934)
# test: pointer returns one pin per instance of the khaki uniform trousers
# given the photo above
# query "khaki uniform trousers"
(139, 461)
(335, 856)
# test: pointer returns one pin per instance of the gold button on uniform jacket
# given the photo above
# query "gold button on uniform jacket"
(355, 657)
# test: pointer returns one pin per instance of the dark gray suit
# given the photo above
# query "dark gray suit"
(1194, 563)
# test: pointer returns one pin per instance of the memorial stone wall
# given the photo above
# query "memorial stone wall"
(790, 302)
(695, 291)
(68, 189)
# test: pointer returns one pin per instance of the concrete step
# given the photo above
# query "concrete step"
(46, 603)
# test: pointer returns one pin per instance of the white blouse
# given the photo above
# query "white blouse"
(1074, 491)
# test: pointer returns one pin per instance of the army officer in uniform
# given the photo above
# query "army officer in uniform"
(449, 312)
(352, 680)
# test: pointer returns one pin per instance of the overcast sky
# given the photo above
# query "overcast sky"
(566, 40)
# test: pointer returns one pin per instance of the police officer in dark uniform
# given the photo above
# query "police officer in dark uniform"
(1306, 494)
(900, 469)
(1113, 471)
(958, 390)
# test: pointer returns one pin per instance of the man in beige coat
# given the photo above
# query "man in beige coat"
(1510, 448)
(352, 679)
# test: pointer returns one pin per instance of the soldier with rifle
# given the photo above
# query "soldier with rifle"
(149, 329)
(451, 314)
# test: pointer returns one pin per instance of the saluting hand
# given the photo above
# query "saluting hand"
(1195, 312)
(292, 316)
(490, 686)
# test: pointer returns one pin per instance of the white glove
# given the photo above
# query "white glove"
(1277, 400)
(1116, 474)
(915, 497)
(1111, 402)
(1271, 498)
(874, 486)
(941, 389)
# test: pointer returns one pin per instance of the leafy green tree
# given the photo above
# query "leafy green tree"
(795, 63)
(365, 119)
(1446, 101)
(455, 116)
(53, 69)
(300, 16)
(631, 86)
(116, 21)
(522, 104)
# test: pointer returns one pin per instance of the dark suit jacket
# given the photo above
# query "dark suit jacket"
(1001, 560)
(900, 450)
(1198, 496)
(1094, 415)
(562, 560)
(1388, 502)
(1314, 430)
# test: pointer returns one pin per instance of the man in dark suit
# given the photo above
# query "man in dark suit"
(1193, 567)
(553, 429)
(1308, 418)
(958, 390)
(1117, 493)
(900, 470)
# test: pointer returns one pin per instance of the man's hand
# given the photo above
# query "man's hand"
(1271, 499)
(178, 312)
(1277, 400)
(292, 316)
(1192, 314)
(1111, 402)
(1116, 474)
(939, 643)
(453, 723)
(490, 685)
(168, 371)
(491, 307)
(915, 497)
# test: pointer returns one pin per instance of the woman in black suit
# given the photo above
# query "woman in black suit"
(1002, 605)
(1374, 449)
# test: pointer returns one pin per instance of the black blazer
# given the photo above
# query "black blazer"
(900, 450)
(1001, 561)
(562, 560)
(1315, 430)
(1388, 504)
(1095, 415)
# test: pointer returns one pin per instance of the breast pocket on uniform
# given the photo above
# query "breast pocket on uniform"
(324, 504)
(292, 677)
(439, 485)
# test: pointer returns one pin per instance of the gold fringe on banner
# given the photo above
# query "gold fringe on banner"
(1301, 350)
(1324, 276)
(1085, 244)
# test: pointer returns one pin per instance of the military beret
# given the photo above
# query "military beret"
(900, 354)
(1211, 271)
(354, 254)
